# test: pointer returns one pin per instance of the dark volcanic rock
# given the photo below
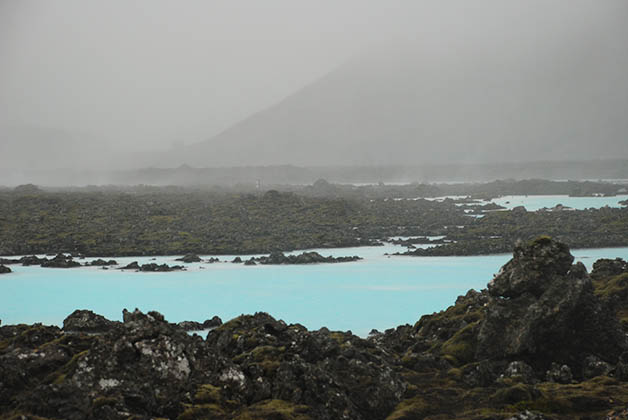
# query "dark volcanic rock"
(542, 309)
(102, 263)
(532, 269)
(189, 258)
(152, 267)
(4, 269)
(337, 374)
(311, 257)
(9, 261)
(252, 367)
(237, 260)
(160, 267)
(86, 321)
(131, 266)
(607, 268)
(61, 261)
(197, 326)
(32, 260)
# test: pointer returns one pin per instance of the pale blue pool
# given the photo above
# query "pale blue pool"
(378, 292)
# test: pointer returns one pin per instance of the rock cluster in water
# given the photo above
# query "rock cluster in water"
(152, 267)
(311, 257)
(545, 340)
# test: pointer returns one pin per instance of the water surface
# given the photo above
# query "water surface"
(378, 292)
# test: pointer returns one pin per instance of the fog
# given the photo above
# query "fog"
(131, 84)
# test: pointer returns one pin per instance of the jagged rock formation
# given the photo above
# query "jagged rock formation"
(253, 367)
(198, 326)
(542, 308)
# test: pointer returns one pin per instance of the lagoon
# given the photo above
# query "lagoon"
(538, 202)
(377, 292)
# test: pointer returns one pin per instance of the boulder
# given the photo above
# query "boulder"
(61, 261)
(32, 260)
(153, 267)
(86, 321)
(561, 374)
(4, 269)
(102, 263)
(131, 266)
(604, 268)
(189, 258)
(542, 309)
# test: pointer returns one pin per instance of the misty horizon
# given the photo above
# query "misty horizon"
(118, 86)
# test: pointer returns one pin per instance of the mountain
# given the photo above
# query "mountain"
(541, 100)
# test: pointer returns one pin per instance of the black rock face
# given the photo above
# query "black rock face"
(4, 269)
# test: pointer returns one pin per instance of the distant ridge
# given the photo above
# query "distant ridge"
(549, 102)
(186, 175)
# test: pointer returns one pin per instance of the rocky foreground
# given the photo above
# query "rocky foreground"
(545, 340)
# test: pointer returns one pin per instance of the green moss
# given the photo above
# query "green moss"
(462, 345)
(274, 409)
(615, 286)
(59, 376)
(594, 397)
(202, 411)
(414, 408)
(206, 394)
(513, 394)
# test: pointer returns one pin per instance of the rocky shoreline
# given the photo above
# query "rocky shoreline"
(545, 340)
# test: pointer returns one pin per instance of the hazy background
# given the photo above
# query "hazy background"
(131, 84)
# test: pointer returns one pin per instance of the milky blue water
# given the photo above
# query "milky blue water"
(536, 202)
(378, 292)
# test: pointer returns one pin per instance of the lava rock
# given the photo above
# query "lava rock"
(4, 269)
(560, 374)
(86, 321)
(61, 261)
(131, 266)
(32, 260)
(153, 267)
(604, 268)
(102, 263)
(542, 309)
(189, 258)
(311, 257)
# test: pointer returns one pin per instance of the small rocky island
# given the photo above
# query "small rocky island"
(545, 340)
(311, 257)
(152, 267)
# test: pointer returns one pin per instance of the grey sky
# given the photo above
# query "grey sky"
(117, 76)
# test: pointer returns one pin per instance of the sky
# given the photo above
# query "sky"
(99, 83)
